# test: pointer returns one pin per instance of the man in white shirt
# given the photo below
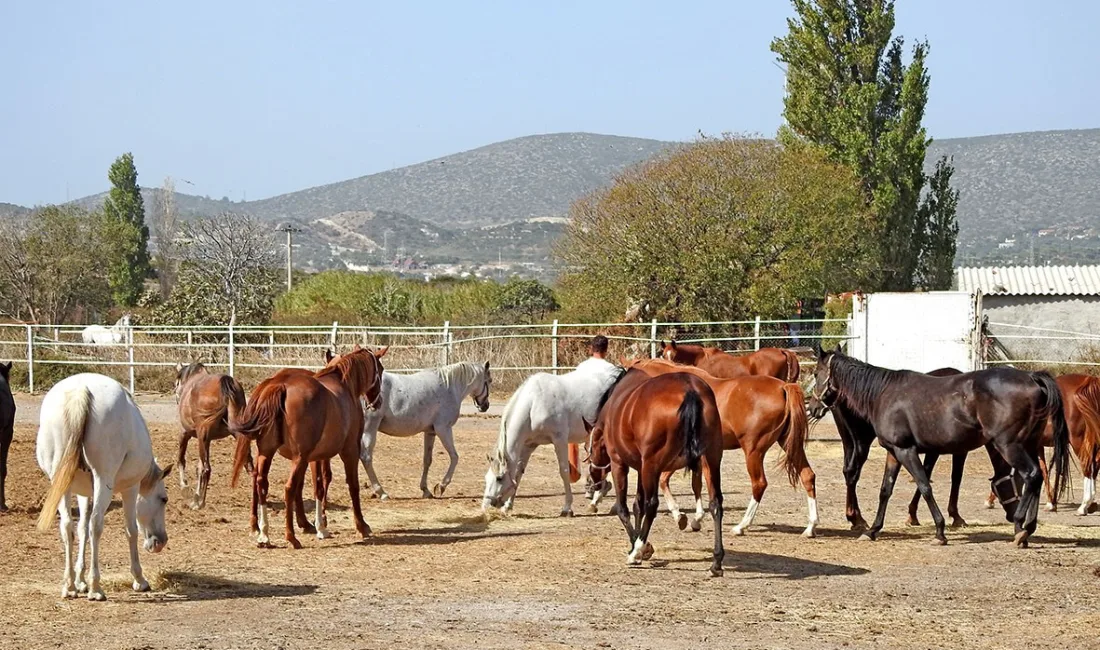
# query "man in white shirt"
(597, 348)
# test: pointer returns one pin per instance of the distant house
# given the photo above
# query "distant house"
(1007, 243)
(1047, 231)
(1058, 307)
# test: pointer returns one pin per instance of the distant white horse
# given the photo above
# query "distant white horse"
(100, 335)
(428, 402)
(547, 409)
(92, 442)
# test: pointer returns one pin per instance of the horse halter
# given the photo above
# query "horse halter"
(825, 386)
(588, 446)
(376, 403)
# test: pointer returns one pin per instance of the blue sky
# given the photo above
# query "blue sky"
(260, 98)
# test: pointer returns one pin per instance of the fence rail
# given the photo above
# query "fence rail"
(144, 357)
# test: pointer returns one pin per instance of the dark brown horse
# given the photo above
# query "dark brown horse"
(657, 425)
(307, 419)
(1081, 401)
(910, 412)
(207, 403)
(770, 362)
(757, 412)
(7, 428)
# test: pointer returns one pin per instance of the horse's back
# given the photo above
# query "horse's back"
(410, 403)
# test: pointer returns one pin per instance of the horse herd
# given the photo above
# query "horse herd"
(681, 410)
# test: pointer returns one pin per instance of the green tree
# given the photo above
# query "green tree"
(936, 269)
(527, 300)
(125, 233)
(723, 228)
(850, 93)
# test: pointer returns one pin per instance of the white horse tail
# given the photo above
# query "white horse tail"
(74, 419)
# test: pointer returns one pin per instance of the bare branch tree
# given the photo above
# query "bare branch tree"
(229, 250)
(165, 233)
(16, 283)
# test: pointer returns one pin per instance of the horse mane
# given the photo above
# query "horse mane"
(859, 384)
(347, 366)
(610, 389)
(464, 371)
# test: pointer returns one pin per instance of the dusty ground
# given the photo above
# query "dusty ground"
(434, 575)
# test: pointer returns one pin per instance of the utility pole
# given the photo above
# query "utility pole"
(289, 229)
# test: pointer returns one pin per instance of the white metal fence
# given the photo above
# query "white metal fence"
(1040, 347)
(144, 357)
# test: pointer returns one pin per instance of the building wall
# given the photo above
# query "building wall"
(1068, 313)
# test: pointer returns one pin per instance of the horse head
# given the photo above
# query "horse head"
(151, 501)
(481, 397)
(5, 371)
(500, 481)
(823, 392)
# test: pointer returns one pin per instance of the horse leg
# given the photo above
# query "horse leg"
(298, 508)
(911, 459)
(320, 499)
(521, 467)
(754, 462)
(350, 457)
(84, 505)
(101, 500)
(429, 446)
(561, 450)
(65, 527)
(696, 522)
(889, 477)
(649, 501)
(5, 445)
(204, 470)
(712, 472)
(930, 460)
(1027, 510)
(129, 515)
(619, 476)
(855, 458)
(293, 488)
(1088, 486)
(447, 437)
(181, 459)
(1052, 499)
(670, 502)
(366, 454)
(639, 504)
(263, 466)
(958, 462)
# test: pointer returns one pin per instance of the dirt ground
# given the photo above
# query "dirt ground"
(436, 575)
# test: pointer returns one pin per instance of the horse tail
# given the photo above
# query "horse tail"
(793, 369)
(574, 462)
(76, 405)
(797, 430)
(1086, 398)
(1057, 417)
(233, 394)
(690, 424)
(262, 417)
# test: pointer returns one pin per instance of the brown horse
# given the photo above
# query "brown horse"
(1081, 402)
(309, 418)
(757, 412)
(770, 362)
(207, 403)
(656, 425)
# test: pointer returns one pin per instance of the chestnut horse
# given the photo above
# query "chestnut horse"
(656, 425)
(771, 362)
(308, 418)
(1081, 401)
(757, 412)
(206, 403)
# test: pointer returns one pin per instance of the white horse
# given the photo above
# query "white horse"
(547, 409)
(93, 442)
(428, 402)
(100, 335)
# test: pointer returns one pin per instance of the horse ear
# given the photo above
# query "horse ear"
(381, 352)
(179, 366)
(357, 348)
(486, 366)
(329, 355)
(838, 350)
(164, 473)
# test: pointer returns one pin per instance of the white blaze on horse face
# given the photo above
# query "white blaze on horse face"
(150, 516)
(746, 521)
(811, 527)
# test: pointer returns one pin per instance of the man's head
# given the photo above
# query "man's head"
(598, 346)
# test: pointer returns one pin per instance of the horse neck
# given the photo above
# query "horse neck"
(859, 386)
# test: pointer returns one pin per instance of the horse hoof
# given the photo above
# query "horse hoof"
(938, 541)
(3, 508)
(309, 529)
(592, 509)
(809, 533)
(383, 497)
(866, 538)
(365, 532)
(682, 521)
(1051, 507)
(988, 505)
(67, 592)
(565, 513)
(142, 586)
(647, 552)
(1081, 512)
(738, 531)
(82, 587)
(294, 543)
(195, 505)
(1021, 539)
(912, 521)
(716, 572)
(438, 490)
(323, 534)
(97, 596)
(424, 494)
(696, 525)
(858, 526)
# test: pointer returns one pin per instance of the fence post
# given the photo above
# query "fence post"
(332, 337)
(30, 358)
(130, 352)
(446, 342)
(653, 339)
(190, 340)
(271, 343)
(232, 366)
(756, 332)
(554, 343)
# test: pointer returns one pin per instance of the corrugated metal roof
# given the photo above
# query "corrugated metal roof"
(1030, 280)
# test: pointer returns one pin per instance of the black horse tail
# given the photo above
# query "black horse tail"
(690, 416)
(1061, 432)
